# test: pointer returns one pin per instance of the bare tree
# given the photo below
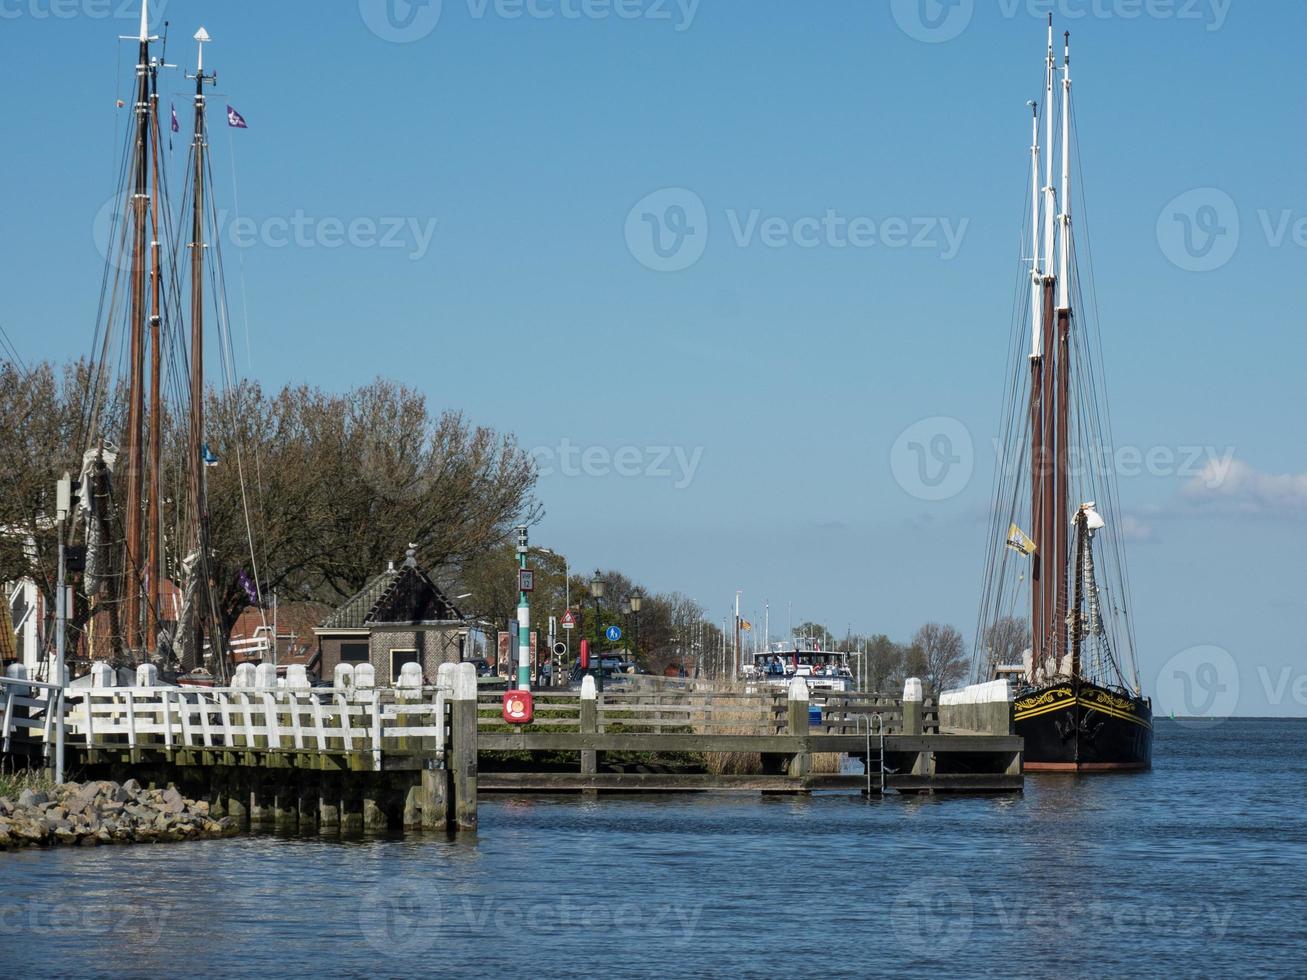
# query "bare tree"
(1005, 642)
(939, 653)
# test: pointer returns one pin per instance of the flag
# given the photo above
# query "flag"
(176, 124)
(1017, 540)
(746, 626)
(235, 120)
(207, 454)
(250, 591)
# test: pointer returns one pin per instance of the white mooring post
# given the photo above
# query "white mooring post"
(265, 677)
(243, 677)
(912, 706)
(102, 675)
(342, 678)
(147, 675)
(365, 677)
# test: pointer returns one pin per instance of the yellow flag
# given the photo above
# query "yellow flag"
(746, 626)
(1018, 540)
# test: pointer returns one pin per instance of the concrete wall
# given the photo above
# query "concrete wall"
(980, 709)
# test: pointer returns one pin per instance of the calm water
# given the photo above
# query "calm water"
(1197, 867)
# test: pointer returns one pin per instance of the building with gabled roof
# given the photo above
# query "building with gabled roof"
(400, 616)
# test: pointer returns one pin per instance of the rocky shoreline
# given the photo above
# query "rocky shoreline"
(105, 812)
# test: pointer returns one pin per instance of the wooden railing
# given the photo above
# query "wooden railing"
(239, 719)
(27, 717)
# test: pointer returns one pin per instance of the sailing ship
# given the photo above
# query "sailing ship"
(1055, 546)
(143, 578)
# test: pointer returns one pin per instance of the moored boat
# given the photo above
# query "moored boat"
(1056, 593)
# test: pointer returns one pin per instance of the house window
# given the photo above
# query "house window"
(353, 653)
(398, 658)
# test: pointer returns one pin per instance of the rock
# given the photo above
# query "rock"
(132, 788)
(29, 798)
(121, 795)
(57, 813)
(6, 805)
(172, 801)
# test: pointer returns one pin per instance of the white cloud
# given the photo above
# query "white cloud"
(1237, 486)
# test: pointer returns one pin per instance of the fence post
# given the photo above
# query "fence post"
(463, 745)
(589, 723)
(801, 761)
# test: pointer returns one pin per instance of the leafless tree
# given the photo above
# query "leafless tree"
(939, 654)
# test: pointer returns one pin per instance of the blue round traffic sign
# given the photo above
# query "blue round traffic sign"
(614, 633)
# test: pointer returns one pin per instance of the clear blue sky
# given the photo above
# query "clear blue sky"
(786, 372)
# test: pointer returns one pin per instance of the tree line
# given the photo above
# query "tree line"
(312, 492)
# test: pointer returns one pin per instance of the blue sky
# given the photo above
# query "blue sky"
(861, 173)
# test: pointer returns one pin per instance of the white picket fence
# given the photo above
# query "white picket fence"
(319, 720)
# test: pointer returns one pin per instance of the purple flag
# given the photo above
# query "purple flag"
(235, 120)
(250, 591)
(176, 126)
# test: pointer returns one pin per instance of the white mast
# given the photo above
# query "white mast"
(1036, 269)
(145, 20)
(1064, 292)
(202, 38)
(1050, 192)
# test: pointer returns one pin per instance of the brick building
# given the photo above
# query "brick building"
(400, 616)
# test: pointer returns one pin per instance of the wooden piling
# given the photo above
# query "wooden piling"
(801, 761)
(463, 746)
(589, 724)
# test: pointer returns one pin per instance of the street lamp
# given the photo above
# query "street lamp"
(597, 589)
(636, 601)
(625, 609)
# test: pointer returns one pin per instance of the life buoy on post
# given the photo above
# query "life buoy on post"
(519, 708)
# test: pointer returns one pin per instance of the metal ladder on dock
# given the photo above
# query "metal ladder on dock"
(882, 769)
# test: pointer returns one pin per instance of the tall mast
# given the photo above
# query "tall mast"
(195, 468)
(153, 565)
(1047, 530)
(135, 422)
(1061, 489)
(1036, 413)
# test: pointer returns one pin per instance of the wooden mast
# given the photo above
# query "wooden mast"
(153, 566)
(131, 583)
(1048, 531)
(1036, 412)
(195, 440)
(1062, 489)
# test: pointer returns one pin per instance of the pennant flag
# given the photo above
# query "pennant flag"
(209, 458)
(176, 124)
(1018, 540)
(235, 120)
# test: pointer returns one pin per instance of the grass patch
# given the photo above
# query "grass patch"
(12, 784)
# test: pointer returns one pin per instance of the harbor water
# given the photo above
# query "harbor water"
(1195, 867)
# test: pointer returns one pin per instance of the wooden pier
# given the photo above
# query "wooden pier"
(412, 757)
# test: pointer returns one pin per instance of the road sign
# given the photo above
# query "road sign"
(569, 620)
(526, 580)
(614, 633)
(560, 649)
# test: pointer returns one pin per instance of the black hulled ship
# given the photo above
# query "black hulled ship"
(1056, 594)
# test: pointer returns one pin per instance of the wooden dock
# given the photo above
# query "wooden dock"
(313, 758)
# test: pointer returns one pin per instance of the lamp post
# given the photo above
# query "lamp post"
(625, 610)
(597, 589)
(636, 601)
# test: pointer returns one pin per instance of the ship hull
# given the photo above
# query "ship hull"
(1084, 728)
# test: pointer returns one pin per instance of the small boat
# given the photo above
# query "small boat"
(1056, 590)
(781, 662)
